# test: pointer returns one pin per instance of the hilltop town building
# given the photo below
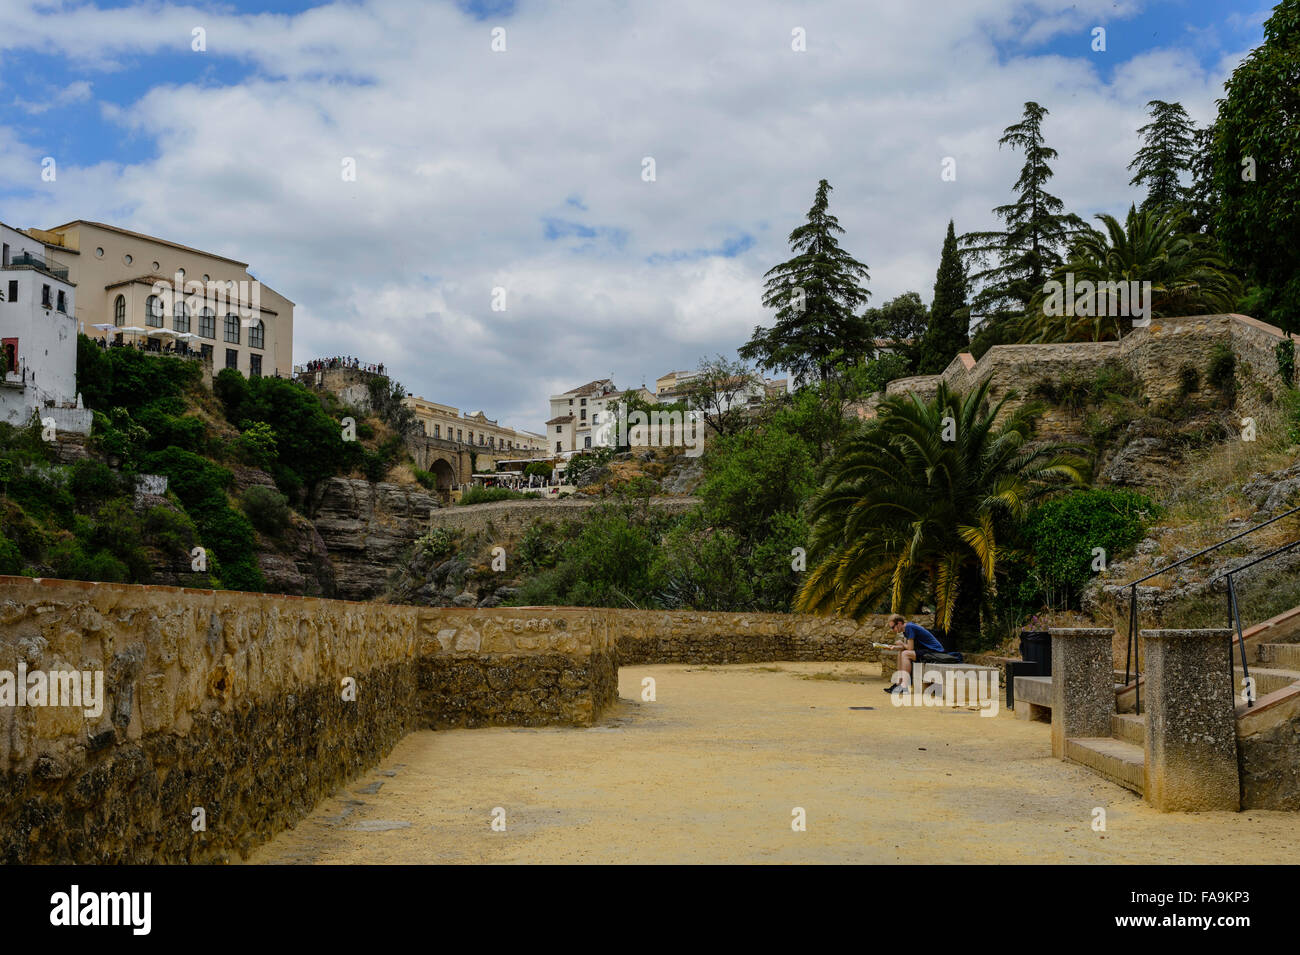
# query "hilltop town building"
(450, 424)
(38, 335)
(213, 305)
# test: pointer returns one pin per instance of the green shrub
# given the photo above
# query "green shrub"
(127, 378)
(542, 468)
(425, 479)
(1285, 354)
(256, 444)
(268, 510)
(1222, 373)
(11, 558)
(1189, 380)
(580, 464)
(169, 530)
(195, 480)
(486, 495)
(1063, 535)
(437, 543)
(92, 480)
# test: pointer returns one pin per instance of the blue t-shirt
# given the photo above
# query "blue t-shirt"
(922, 639)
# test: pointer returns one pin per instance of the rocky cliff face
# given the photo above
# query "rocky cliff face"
(368, 530)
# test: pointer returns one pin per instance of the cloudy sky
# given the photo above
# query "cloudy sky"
(522, 168)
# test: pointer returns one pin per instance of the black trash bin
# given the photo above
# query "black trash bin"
(1036, 648)
(1036, 651)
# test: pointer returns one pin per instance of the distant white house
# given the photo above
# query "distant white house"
(38, 336)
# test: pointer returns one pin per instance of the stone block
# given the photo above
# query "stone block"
(1083, 684)
(1191, 734)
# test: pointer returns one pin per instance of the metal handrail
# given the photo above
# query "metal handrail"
(1130, 656)
(1234, 612)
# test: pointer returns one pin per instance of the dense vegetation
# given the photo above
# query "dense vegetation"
(152, 415)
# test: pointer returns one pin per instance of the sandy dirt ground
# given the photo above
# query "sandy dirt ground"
(714, 769)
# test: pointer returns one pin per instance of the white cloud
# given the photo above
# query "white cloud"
(463, 155)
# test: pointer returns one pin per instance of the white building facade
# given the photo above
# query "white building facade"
(38, 335)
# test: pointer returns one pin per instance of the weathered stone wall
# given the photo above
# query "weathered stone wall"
(677, 636)
(1268, 749)
(235, 703)
(518, 667)
(511, 518)
(1155, 355)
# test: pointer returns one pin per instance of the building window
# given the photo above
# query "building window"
(206, 352)
(595, 419)
(62, 305)
(254, 365)
(437, 431)
(586, 442)
(232, 328)
(99, 253)
(119, 310)
(153, 311)
(458, 434)
(13, 291)
(232, 358)
(584, 414)
(45, 296)
(557, 445)
(257, 335)
(128, 258)
(207, 323)
(471, 437)
(559, 429)
(156, 266)
(180, 317)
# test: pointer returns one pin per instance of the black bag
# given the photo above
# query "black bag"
(941, 657)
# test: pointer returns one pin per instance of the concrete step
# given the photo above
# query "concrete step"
(1284, 656)
(1118, 761)
(1129, 728)
(1268, 679)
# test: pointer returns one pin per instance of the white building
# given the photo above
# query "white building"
(38, 335)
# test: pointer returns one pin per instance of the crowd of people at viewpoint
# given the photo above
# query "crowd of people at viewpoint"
(344, 361)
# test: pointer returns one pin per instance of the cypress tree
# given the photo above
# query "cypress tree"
(948, 332)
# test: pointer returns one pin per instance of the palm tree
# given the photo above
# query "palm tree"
(914, 506)
(1187, 275)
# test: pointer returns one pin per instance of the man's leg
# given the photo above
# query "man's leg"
(905, 664)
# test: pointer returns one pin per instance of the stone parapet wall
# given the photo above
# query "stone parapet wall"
(1155, 355)
(510, 519)
(677, 636)
(513, 666)
(236, 704)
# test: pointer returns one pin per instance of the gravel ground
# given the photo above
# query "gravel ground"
(715, 768)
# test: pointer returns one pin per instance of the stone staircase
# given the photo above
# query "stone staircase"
(1121, 757)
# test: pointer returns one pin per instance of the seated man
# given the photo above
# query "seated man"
(914, 643)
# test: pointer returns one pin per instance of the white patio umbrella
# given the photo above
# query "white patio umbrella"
(103, 327)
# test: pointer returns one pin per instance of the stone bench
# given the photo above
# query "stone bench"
(1034, 698)
(978, 684)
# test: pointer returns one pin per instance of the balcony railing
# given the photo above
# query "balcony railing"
(41, 263)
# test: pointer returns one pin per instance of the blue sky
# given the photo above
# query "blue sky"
(523, 169)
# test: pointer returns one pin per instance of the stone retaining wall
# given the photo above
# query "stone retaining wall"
(676, 636)
(509, 519)
(237, 704)
(1155, 355)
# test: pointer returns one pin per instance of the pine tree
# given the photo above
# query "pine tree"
(1036, 233)
(1165, 155)
(816, 296)
(948, 332)
(1203, 194)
